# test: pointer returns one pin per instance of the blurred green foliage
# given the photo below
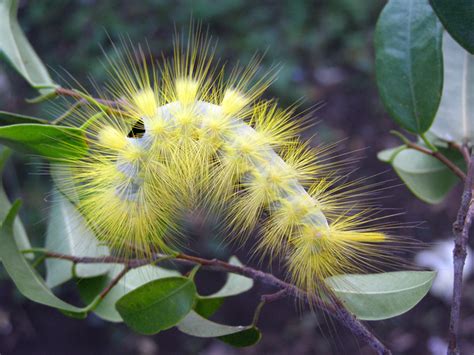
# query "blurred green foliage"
(302, 36)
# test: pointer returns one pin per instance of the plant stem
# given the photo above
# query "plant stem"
(264, 299)
(107, 289)
(105, 105)
(428, 143)
(463, 149)
(438, 155)
(115, 281)
(335, 309)
(461, 229)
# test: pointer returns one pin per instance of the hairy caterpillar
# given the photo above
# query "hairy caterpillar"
(212, 143)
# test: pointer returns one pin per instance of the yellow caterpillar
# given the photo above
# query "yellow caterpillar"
(212, 143)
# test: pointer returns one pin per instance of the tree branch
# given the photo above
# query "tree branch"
(463, 149)
(438, 155)
(82, 99)
(335, 309)
(461, 229)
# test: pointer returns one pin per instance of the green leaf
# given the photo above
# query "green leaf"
(9, 118)
(384, 295)
(90, 288)
(409, 64)
(206, 307)
(425, 176)
(458, 20)
(157, 305)
(387, 155)
(69, 234)
(16, 49)
(235, 285)
(25, 277)
(52, 142)
(195, 325)
(19, 232)
(242, 339)
(454, 120)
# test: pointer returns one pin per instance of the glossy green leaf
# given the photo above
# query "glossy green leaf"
(235, 285)
(157, 305)
(9, 118)
(206, 307)
(454, 120)
(90, 288)
(16, 49)
(425, 176)
(247, 337)
(409, 64)
(25, 277)
(384, 295)
(19, 232)
(458, 19)
(69, 234)
(195, 325)
(52, 142)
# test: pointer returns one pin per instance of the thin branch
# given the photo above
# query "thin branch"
(93, 305)
(463, 149)
(334, 309)
(68, 112)
(264, 299)
(77, 95)
(107, 105)
(461, 228)
(440, 156)
(114, 282)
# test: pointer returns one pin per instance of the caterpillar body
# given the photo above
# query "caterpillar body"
(213, 144)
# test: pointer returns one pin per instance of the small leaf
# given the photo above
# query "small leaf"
(19, 232)
(52, 142)
(15, 47)
(425, 176)
(157, 305)
(240, 336)
(458, 19)
(9, 118)
(25, 277)
(454, 120)
(206, 307)
(242, 339)
(384, 295)
(409, 64)
(387, 155)
(91, 287)
(69, 234)
(235, 285)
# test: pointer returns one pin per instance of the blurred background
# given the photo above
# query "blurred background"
(326, 57)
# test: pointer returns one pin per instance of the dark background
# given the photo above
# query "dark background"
(325, 49)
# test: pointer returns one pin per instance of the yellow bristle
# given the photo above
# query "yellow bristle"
(276, 127)
(133, 153)
(233, 102)
(158, 127)
(145, 102)
(112, 138)
(186, 91)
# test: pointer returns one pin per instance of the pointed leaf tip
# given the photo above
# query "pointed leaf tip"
(384, 295)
